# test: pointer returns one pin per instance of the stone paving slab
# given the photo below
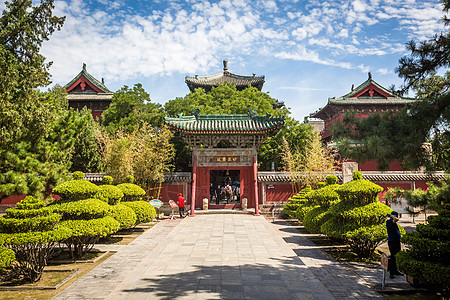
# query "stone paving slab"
(219, 256)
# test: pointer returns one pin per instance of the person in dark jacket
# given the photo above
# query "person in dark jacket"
(394, 237)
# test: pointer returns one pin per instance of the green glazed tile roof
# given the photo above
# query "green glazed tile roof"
(360, 96)
(89, 77)
(239, 124)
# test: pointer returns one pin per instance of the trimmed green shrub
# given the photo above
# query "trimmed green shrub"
(74, 190)
(82, 210)
(359, 191)
(325, 196)
(362, 214)
(107, 180)
(314, 219)
(78, 175)
(89, 221)
(129, 179)
(358, 217)
(124, 215)
(290, 208)
(109, 194)
(304, 209)
(321, 185)
(144, 211)
(428, 258)
(85, 233)
(6, 258)
(30, 202)
(331, 179)
(32, 234)
(131, 192)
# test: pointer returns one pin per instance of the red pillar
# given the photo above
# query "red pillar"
(194, 183)
(255, 180)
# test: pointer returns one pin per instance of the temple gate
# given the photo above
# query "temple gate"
(224, 150)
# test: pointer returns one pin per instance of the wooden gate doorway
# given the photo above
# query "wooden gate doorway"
(219, 198)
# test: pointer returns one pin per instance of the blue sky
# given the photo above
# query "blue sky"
(308, 50)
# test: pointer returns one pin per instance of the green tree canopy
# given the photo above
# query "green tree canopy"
(129, 108)
(226, 99)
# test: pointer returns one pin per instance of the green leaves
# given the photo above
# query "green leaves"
(74, 190)
(144, 211)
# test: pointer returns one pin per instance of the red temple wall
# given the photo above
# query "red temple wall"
(170, 192)
(279, 193)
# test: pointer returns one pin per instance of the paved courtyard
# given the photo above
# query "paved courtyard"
(222, 256)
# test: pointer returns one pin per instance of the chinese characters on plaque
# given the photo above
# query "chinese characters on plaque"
(231, 159)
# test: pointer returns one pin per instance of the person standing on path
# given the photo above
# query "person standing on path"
(181, 204)
(394, 237)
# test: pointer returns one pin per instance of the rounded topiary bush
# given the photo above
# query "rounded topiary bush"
(74, 190)
(123, 214)
(88, 220)
(129, 179)
(304, 209)
(331, 179)
(428, 258)
(83, 209)
(131, 192)
(77, 175)
(325, 196)
(107, 180)
(314, 219)
(109, 194)
(31, 231)
(7, 257)
(295, 201)
(144, 211)
(358, 217)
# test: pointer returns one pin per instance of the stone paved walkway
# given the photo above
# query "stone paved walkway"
(220, 256)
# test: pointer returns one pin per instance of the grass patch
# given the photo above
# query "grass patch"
(48, 294)
(65, 256)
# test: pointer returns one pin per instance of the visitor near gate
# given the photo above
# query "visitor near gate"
(393, 242)
(218, 191)
(212, 192)
(228, 193)
(181, 204)
(238, 193)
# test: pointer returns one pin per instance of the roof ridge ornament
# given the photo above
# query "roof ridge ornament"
(225, 65)
(84, 67)
(196, 113)
(370, 75)
(252, 113)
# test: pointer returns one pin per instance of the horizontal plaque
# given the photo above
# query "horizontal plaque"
(227, 159)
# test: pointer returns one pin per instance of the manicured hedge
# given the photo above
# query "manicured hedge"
(290, 208)
(304, 209)
(74, 190)
(6, 258)
(144, 211)
(314, 219)
(82, 210)
(132, 192)
(325, 196)
(32, 233)
(109, 194)
(124, 215)
(358, 191)
(428, 257)
(358, 217)
(107, 180)
(85, 233)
